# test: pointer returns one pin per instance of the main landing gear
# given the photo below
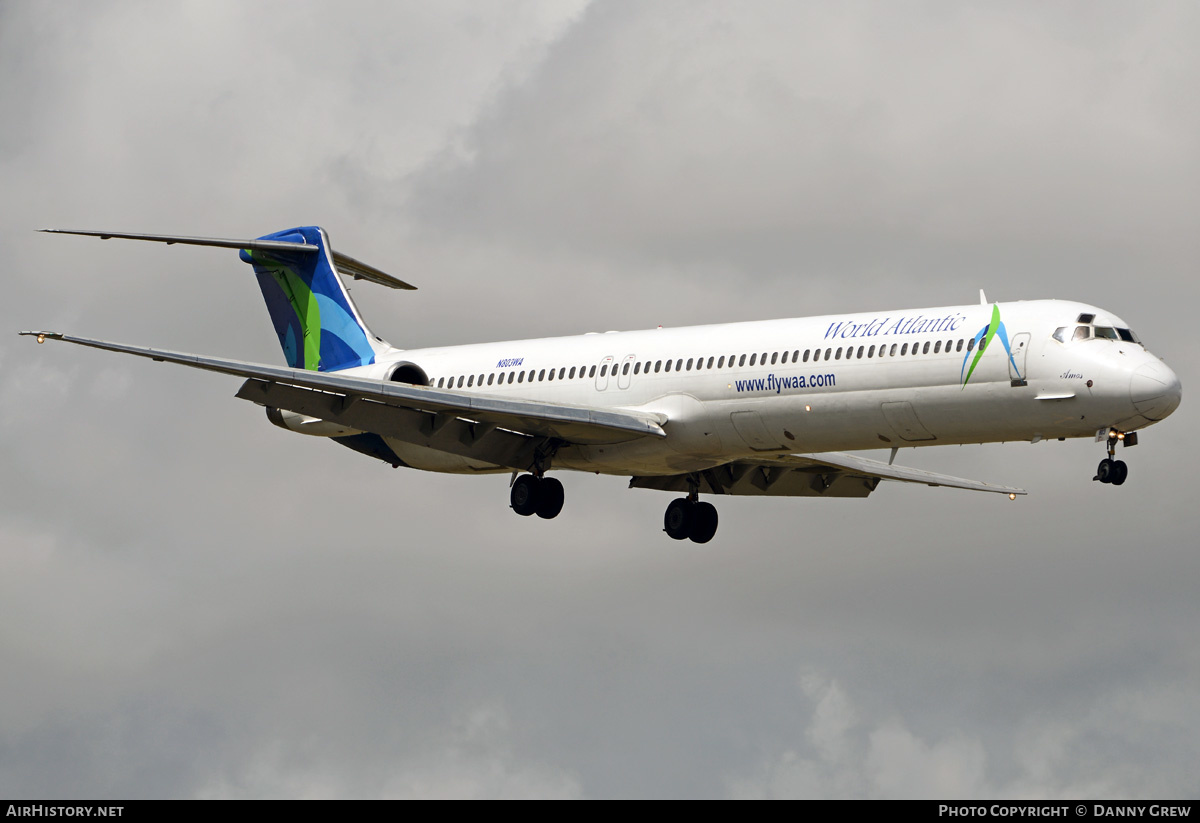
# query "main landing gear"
(542, 496)
(687, 517)
(1110, 470)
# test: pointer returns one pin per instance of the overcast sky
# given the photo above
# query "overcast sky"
(194, 603)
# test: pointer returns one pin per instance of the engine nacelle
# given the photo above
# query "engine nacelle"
(406, 372)
(402, 371)
(303, 424)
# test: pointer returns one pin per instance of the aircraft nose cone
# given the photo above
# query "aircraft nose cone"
(1155, 390)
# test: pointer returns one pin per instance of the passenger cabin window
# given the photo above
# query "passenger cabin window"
(806, 352)
(625, 369)
(592, 371)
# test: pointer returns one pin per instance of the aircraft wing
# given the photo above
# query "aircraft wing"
(453, 421)
(832, 474)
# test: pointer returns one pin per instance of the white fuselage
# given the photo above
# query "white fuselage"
(818, 384)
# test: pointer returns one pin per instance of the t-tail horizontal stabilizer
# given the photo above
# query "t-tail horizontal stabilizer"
(344, 263)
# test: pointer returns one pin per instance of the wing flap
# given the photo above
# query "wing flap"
(574, 424)
(444, 432)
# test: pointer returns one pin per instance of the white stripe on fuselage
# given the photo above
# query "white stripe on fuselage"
(852, 398)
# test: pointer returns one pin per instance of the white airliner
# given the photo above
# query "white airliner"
(774, 407)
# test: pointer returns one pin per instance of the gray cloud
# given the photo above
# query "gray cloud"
(194, 603)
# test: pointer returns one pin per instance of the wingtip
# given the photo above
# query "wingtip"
(41, 336)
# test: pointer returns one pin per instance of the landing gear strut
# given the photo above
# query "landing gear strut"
(1110, 470)
(687, 517)
(542, 496)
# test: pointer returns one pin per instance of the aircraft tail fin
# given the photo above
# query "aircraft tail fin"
(318, 325)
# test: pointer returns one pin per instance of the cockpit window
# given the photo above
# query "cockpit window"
(1086, 330)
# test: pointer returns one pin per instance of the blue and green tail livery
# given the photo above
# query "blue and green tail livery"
(319, 327)
(983, 339)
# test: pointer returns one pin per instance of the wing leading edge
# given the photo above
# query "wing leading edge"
(337, 395)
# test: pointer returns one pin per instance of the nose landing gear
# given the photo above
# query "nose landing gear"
(1110, 470)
